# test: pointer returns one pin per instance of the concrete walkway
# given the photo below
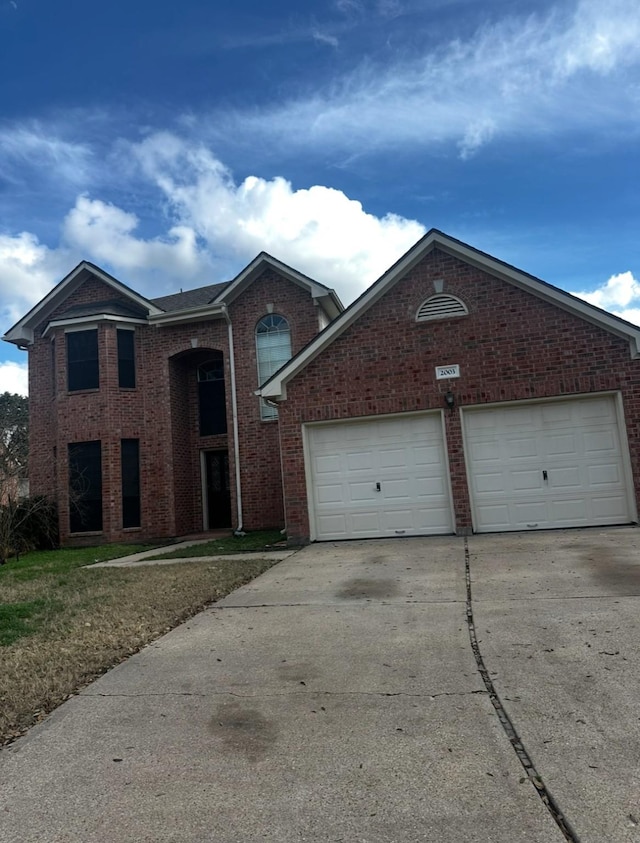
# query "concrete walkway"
(145, 557)
(337, 698)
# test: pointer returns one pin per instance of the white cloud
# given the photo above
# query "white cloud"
(28, 270)
(14, 377)
(318, 230)
(542, 74)
(325, 38)
(106, 234)
(620, 295)
(35, 145)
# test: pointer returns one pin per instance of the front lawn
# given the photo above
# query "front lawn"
(62, 625)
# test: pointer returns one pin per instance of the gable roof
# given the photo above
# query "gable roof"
(275, 387)
(325, 296)
(208, 302)
(22, 332)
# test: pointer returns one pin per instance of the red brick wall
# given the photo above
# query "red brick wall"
(511, 346)
(261, 477)
(162, 412)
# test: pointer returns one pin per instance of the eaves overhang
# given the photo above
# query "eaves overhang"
(80, 322)
(22, 333)
(202, 313)
(275, 389)
(324, 296)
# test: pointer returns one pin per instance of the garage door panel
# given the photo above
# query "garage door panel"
(404, 455)
(360, 460)
(604, 475)
(560, 445)
(566, 478)
(563, 467)
(522, 447)
(600, 441)
(608, 507)
(526, 480)
(331, 494)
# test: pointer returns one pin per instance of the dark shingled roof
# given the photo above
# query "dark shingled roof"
(114, 307)
(190, 298)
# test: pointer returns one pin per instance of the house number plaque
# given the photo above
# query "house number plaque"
(444, 372)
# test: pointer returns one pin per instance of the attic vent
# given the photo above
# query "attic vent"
(441, 306)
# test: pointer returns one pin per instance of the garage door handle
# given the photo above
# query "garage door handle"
(377, 487)
(544, 476)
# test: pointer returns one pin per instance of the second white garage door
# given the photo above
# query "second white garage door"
(541, 465)
(380, 476)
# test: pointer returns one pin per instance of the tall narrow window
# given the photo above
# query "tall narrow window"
(54, 370)
(211, 396)
(126, 359)
(82, 360)
(273, 343)
(130, 464)
(85, 487)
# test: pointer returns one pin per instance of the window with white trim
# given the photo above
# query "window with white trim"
(273, 345)
(441, 306)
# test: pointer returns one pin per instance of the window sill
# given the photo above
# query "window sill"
(131, 529)
(83, 391)
(88, 533)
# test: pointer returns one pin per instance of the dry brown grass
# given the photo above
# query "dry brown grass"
(94, 619)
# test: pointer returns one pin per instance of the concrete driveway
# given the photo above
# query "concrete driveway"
(338, 698)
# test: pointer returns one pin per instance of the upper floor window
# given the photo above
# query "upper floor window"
(212, 403)
(273, 343)
(126, 359)
(82, 360)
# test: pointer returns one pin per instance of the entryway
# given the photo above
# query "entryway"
(217, 503)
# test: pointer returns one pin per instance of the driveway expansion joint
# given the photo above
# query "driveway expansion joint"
(505, 721)
(293, 693)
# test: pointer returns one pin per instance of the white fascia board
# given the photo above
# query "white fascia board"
(275, 388)
(562, 299)
(84, 322)
(22, 331)
(264, 260)
(202, 313)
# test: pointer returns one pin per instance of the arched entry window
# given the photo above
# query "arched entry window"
(211, 396)
(273, 342)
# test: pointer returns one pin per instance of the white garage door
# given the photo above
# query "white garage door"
(553, 464)
(382, 476)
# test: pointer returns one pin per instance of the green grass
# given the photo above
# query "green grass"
(62, 623)
(20, 619)
(33, 565)
(251, 542)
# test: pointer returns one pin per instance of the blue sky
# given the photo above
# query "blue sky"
(170, 143)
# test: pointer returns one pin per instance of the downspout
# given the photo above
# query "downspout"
(234, 414)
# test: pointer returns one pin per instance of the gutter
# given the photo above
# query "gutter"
(234, 414)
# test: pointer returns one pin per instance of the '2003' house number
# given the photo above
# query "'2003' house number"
(443, 372)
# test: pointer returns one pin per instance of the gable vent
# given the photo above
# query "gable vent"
(441, 307)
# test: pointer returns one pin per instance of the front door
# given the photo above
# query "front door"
(218, 503)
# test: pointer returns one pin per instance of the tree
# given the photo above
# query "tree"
(14, 442)
(25, 522)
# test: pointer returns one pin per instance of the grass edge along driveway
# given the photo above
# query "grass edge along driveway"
(62, 624)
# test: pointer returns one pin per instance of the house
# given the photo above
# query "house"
(457, 394)
(460, 394)
(144, 422)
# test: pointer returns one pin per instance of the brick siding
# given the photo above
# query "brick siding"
(162, 413)
(511, 346)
